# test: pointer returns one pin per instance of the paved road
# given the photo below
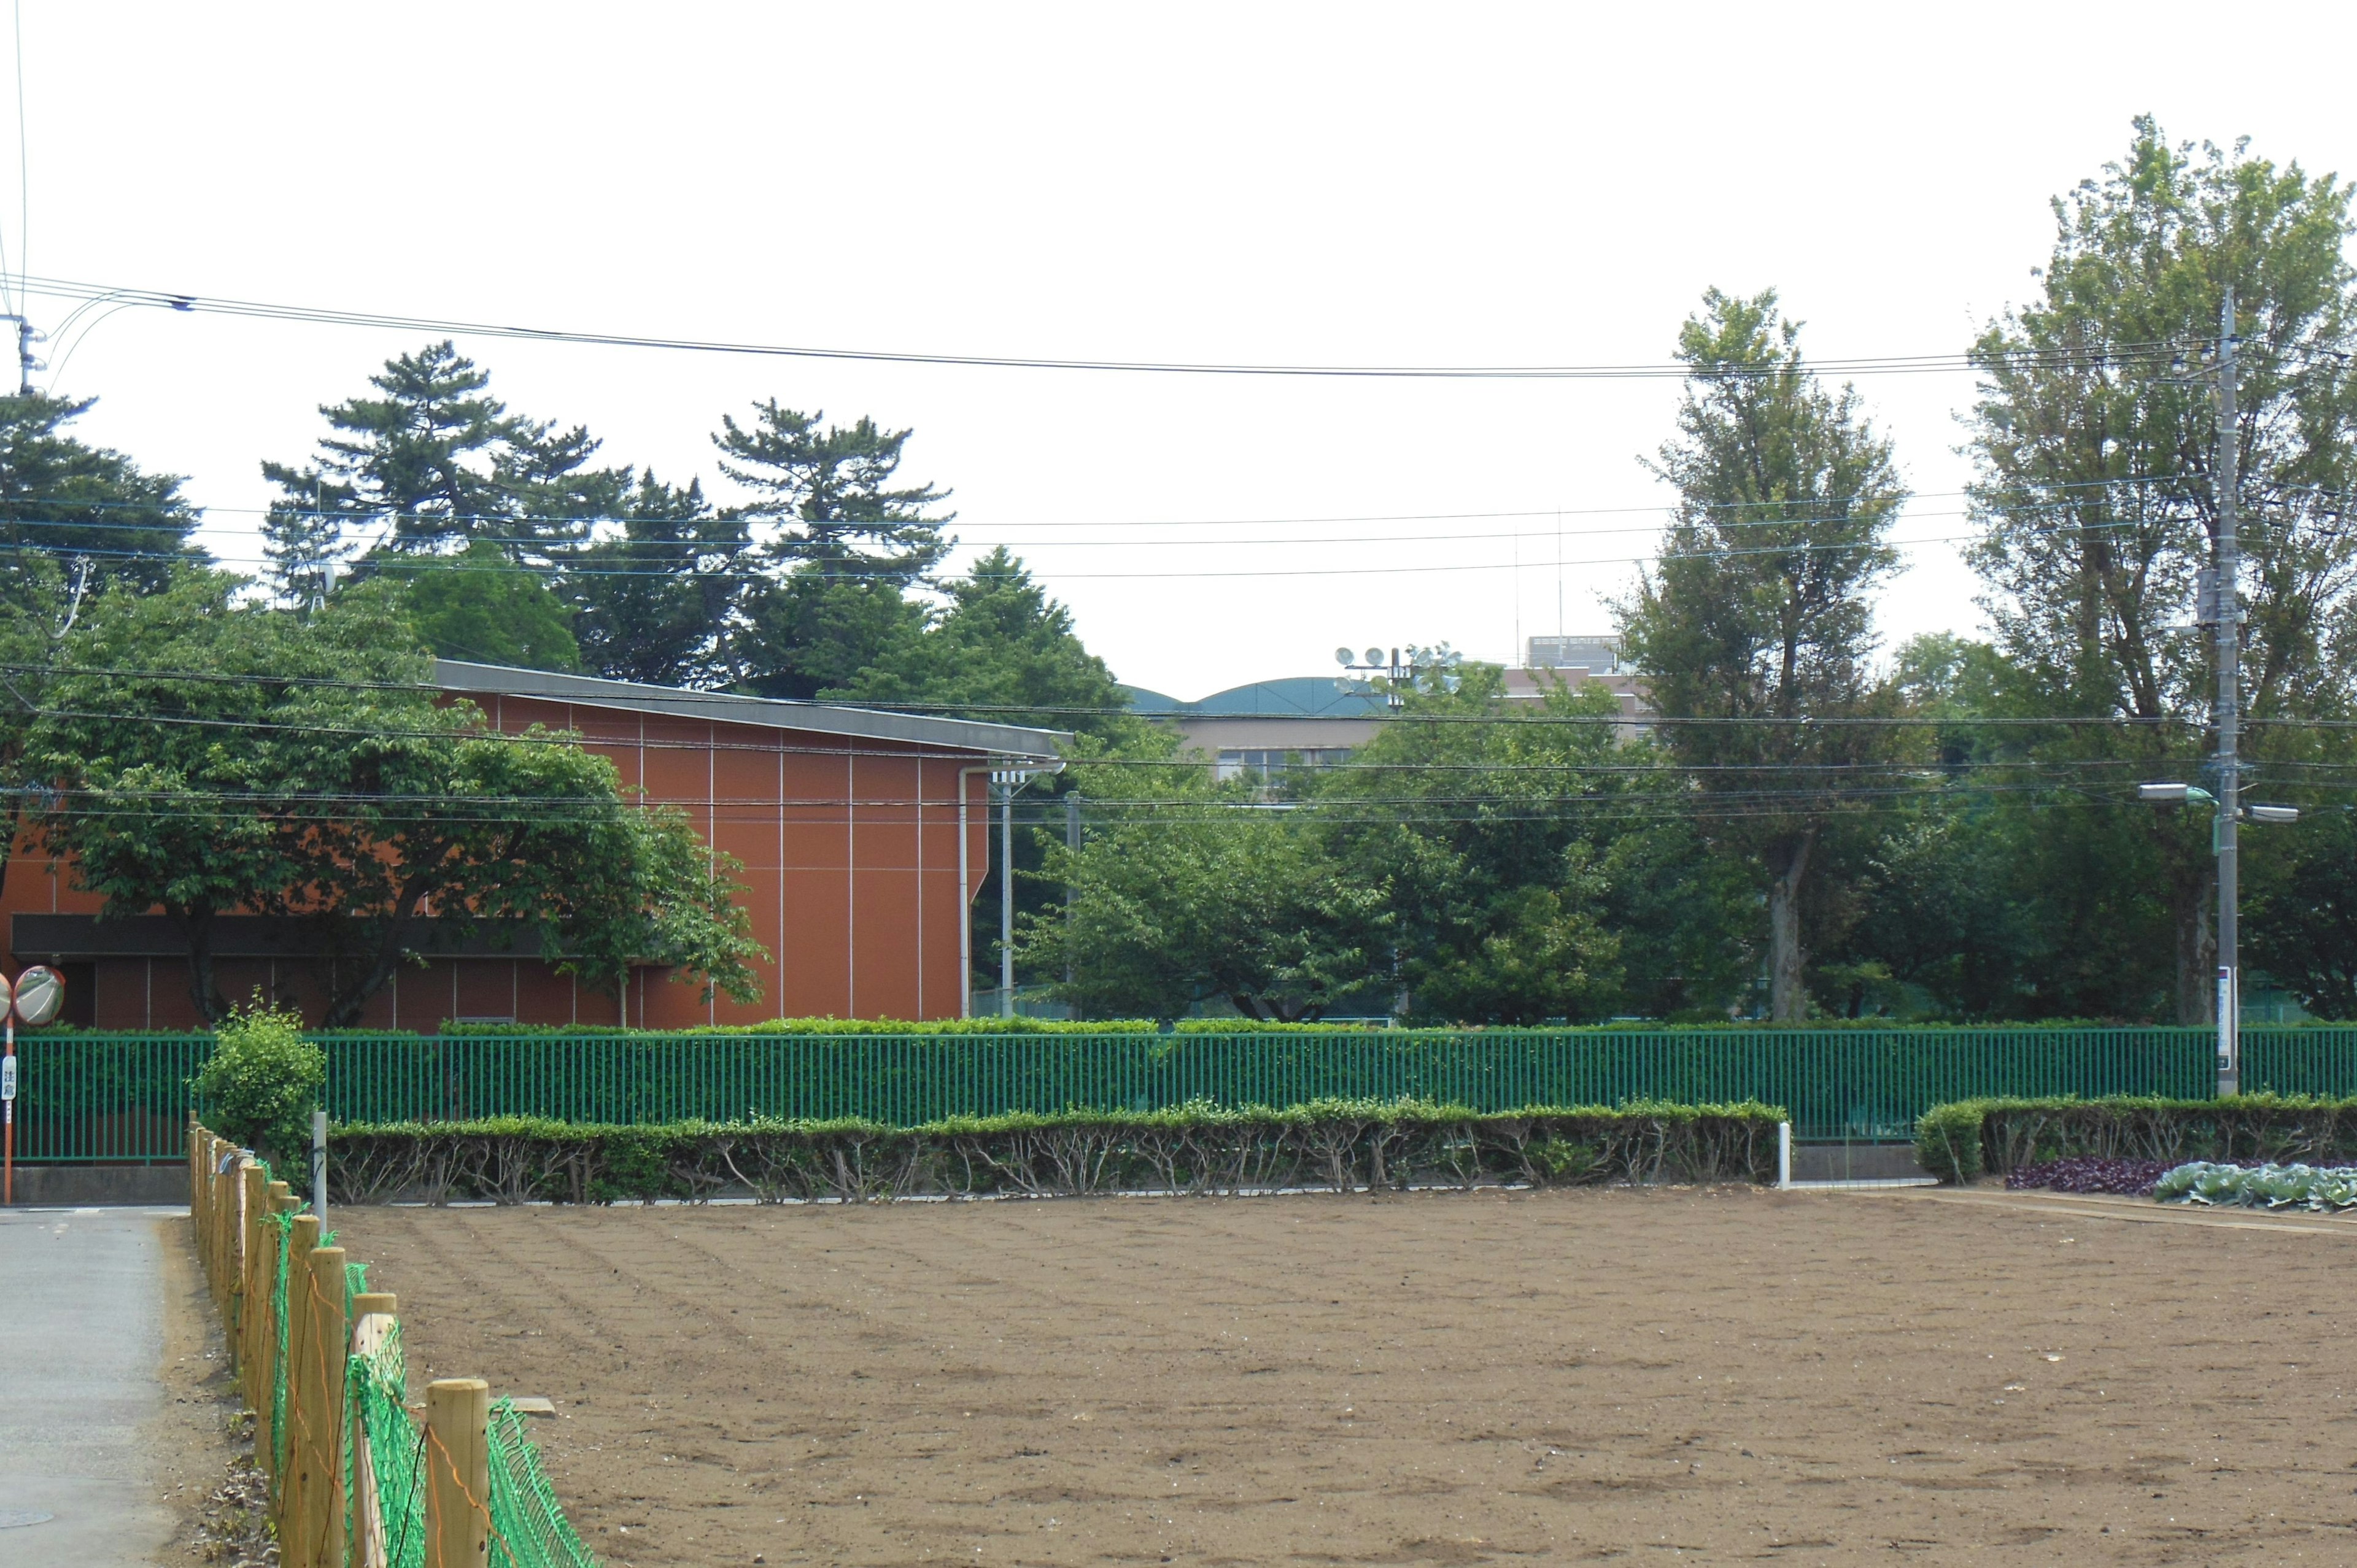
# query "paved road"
(81, 1335)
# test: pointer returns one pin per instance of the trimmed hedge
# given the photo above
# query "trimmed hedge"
(1340, 1145)
(1964, 1140)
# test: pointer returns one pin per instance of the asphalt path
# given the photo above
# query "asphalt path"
(82, 1338)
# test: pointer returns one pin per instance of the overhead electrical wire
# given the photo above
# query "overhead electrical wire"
(1943, 363)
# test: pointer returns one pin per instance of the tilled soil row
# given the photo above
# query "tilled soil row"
(1429, 1378)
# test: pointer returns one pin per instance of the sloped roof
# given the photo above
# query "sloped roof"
(770, 713)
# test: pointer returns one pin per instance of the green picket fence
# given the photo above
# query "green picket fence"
(125, 1098)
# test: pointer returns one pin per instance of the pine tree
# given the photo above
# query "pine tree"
(659, 603)
(842, 545)
(830, 492)
(430, 464)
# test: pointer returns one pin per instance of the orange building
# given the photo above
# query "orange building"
(845, 821)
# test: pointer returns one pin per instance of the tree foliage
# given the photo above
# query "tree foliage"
(2094, 441)
(266, 764)
(1758, 607)
(1189, 890)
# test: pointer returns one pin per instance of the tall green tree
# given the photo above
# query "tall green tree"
(430, 463)
(481, 607)
(1187, 890)
(843, 540)
(264, 763)
(2094, 441)
(658, 602)
(1755, 614)
(1001, 648)
(77, 522)
(1490, 823)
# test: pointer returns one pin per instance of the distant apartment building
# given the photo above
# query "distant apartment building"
(1578, 661)
(1262, 728)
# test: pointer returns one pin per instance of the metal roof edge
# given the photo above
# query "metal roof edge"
(728, 707)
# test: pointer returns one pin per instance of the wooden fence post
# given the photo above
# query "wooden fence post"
(457, 1472)
(249, 1248)
(372, 1324)
(319, 1467)
(200, 1212)
(302, 1236)
(267, 1368)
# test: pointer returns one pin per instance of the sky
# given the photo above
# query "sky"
(1300, 184)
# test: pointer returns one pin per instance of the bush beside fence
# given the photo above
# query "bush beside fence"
(1333, 1145)
(1964, 1139)
(353, 1479)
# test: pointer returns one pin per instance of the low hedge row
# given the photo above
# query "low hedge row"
(1964, 1140)
(1341, 1145)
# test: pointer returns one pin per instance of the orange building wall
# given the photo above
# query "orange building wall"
(847, 852)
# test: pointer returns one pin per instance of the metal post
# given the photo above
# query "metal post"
(965, 890)
(1072, 893)
(8, 1111)
(1006, 898)
(319, 1164)
(1784, 1155)
(2229, 658)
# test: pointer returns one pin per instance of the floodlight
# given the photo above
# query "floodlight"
(1374, 656)
(1343, 656)
(2275, 813)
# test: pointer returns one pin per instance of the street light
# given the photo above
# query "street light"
(2230, 978)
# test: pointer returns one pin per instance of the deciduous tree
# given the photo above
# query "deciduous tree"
(1756, 616)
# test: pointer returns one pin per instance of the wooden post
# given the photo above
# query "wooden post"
(204, 1210)
(372, 1324)
(249, 1248)
(198, 1210)
(327, 1345)
(457, 1472)
(302, 1238)
(267, 1368)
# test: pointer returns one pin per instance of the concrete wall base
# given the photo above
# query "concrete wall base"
(85, 1186)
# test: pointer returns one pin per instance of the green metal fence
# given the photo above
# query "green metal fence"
(126, 1098)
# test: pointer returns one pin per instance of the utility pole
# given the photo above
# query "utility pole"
(1071, 891)
(1006, 895)
(2230, 675)
(25, 363)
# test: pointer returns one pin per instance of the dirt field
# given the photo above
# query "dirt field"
(1454, 1379)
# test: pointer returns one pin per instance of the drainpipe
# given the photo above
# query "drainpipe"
(966, 896)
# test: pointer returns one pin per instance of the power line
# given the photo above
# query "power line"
(1944, 362)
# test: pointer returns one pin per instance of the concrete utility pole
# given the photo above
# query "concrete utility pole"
(2230, 678)
(1072, 893)
(1006, 895)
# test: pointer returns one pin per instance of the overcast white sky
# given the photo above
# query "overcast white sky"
(1293, 184)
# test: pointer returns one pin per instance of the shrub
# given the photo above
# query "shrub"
(262, 1081)
(1958, 1141)
(1338, 1144)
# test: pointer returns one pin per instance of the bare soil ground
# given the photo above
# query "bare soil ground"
(1726, 1374)
(198, 1444)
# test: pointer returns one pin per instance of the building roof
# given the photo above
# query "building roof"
(1292, 697)
(770, 713)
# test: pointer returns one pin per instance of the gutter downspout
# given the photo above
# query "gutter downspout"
(966, 896)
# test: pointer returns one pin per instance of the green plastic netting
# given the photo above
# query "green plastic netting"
(528, 1529)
